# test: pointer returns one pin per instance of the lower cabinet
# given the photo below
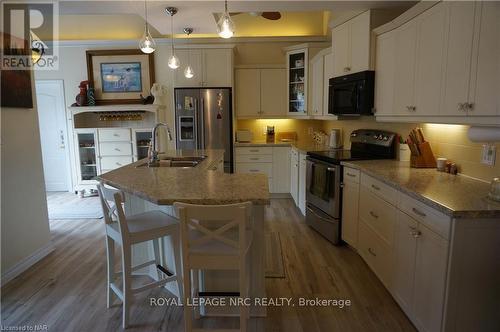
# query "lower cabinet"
(294, 175)
(350, 204)
(302, 183)
(272, 161)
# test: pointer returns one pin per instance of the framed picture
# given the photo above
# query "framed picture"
(120, 76)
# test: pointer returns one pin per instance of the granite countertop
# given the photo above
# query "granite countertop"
(455, 195)
(196, 185)
(301, 146)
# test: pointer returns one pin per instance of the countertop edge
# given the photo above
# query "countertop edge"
(432, 203)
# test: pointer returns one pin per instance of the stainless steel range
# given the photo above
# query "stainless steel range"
(324, 178)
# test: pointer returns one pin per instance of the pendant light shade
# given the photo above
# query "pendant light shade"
(147, 44)
(173, 60)
(225, 26)
(188, 71)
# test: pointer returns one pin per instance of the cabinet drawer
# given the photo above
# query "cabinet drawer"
(254, 150)
(378, 214)
(115, 149)
(254, 158)
(110, 163)
(114, 135)
(351, 174)
(433, 219)
(380, 189)
(266, 168)
(375, 253)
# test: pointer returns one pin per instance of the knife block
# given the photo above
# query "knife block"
(426, 158)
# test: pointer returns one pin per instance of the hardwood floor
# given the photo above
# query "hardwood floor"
(67, 290)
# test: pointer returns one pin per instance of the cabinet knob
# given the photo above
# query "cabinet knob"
(373, 215)
(461, 107)
(418, 212)
(416, 234)
(469, 106)
(370, 250)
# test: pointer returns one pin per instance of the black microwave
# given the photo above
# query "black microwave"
(352, 95)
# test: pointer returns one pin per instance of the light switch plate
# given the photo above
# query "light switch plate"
(489, 154)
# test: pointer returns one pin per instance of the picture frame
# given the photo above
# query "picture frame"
(120, 76)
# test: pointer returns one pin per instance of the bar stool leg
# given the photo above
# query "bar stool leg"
(187, 294)
(156, 247)
(243, 295)
(127, 282)
(178, 263)
(110, 253)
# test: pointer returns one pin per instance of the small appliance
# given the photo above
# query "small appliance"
(352, 95)
(335, 139)
(244, 136)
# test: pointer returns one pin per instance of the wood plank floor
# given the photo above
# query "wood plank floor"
(67, 290)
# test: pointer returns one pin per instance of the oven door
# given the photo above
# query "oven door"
(343, 99)
(323, 186)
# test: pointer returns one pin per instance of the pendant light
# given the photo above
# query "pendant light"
(173, 61)
(147, 44)
(225, 26)
(188, 72)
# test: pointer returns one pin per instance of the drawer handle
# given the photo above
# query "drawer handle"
(254, 158)
(118, 163)
(373, 215)
(116, 149)
(116, 135)
(254, 170)
(418, 212)
(254, 150)
(375, 187)
(351, 175)
(370, 250)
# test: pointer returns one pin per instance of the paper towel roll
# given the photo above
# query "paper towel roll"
(484, 134)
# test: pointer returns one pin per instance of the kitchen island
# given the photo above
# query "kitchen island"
(157, 188)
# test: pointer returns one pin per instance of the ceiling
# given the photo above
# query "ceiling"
(96, 20)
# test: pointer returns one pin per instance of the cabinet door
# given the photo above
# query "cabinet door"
(192, 58)
(486, 96)
(384, 73)
(350, 206)
(341, 49)
(281, 169)
(404, 82)
(458, 57)
(360, 43)
(317, 85)
(273, 92)
(247, 92)
(302, 183)
(294, 176)
(430, 279)
(404, 261)
(327, 74)
(217, 67)
(429, 62)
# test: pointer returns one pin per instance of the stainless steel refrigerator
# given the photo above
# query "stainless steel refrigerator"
(203, 120)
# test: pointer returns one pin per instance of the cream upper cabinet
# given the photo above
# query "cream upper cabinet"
(351, 45)
(193, 58)
(404, 66)
(260, 92)
(384, 75)
(247, 92)
(328, 73)
(273, 92)
(485, 96)
(429, 60)
(458, 58)
(211, 67)
(317, 64)
(218, 67)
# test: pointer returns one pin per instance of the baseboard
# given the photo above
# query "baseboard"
(26, 263)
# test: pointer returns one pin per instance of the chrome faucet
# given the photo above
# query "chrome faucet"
(154, 151)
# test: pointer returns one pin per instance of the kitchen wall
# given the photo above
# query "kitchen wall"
(25, 225)
(301, 127)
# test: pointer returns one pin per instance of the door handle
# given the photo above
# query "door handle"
(331, 169)
(61, 135)
(373, 215)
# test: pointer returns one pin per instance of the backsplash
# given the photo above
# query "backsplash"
(449, 141)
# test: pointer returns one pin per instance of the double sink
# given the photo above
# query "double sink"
(188, 161)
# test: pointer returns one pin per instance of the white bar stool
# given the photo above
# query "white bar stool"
(148, 226)
(215, 237)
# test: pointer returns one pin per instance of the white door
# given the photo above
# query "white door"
(341, 50)
(327, 74)
(429, 61)
(384, 75)
(247, 92)
(302, 183)
(317, 85)
(53, 136)
(218, 67)
(294, 176)
(360, 43)
(350, 206)
(272, 92)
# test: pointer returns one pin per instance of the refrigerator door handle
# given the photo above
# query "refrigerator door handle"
(202, 124)
(196, 121)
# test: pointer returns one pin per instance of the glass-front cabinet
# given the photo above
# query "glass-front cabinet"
(141, 141)
(87, 155)
(297, 74)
